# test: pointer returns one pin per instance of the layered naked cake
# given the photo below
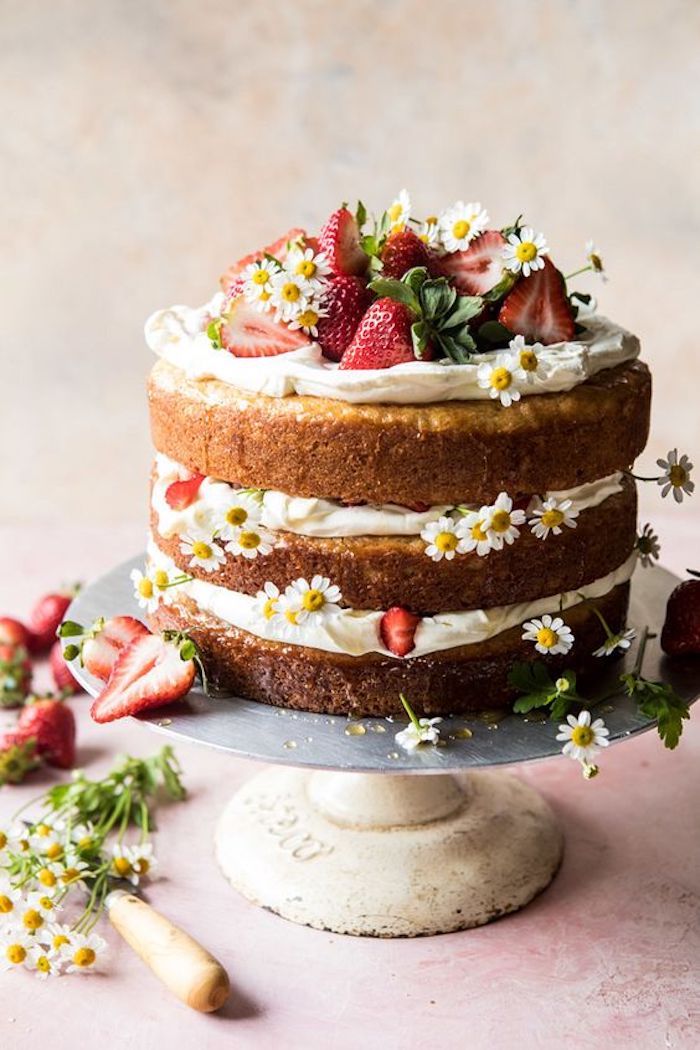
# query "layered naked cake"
(390, 461)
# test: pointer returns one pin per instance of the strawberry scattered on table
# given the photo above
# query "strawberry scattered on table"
(148, 673)
(51, 724)
(15, 675)
(681, 631)
(46, 617)
(61, 672)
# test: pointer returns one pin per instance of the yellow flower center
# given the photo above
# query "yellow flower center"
(265, 295)
(270, 608)
(32, 919)
(306, 268)
(446, 541)
(3, 839)
(23, 845)
(84, 957)
(236, 515)
(460, 229)
(260, 277)
(54, 851)
(313, 601)
(142, 867)
(395, 212)
(201, 550)
(59, 940)
(43, 964)
(546, 637)
(525, 251)
(6, 904)
(477, 531)
(308, 318)
(431, 220)
(596, 261)
(44, 830)
(46, 903)
(46, 877)
(145, 587)
(500, 521)
(291, 616)
(528, 360)
(122, 866)
(582, 736)
(678, 476)
(70, 875)
(551, 518)
(15, 954)
(160, 578)
(501, 378)
(290, 292)
(249, 540)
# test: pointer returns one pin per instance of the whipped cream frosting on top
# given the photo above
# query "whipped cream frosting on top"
(178, 335)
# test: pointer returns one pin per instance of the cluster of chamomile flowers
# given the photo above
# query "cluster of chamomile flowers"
(293, 289)
(302, 602)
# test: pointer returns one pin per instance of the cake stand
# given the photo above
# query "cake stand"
(350, 833)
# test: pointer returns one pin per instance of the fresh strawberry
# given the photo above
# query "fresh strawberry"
(182, 494)
(340, 241)
(61, 672)
(17, 758)
(538, 307)
(51, 723)
(478, 269)
(681, 631)
(107, 640)
(148, 673)
(46, 616)
(383, 338)
(248, 333)
(13, 632)
(397, 628)
(15, 675)
(230, 282)
(346, 300)
(401, 252)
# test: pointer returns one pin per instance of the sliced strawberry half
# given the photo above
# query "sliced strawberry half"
(229, 281)
(538, 308)
(182, 494)
(148, 673)
(340, 241)
(248, 333)
(100, 651)
(383, 338)
(397, 628)
(478, 269)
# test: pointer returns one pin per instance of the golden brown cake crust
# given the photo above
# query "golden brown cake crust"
(469, 678)
(376, 572)
(449, 452)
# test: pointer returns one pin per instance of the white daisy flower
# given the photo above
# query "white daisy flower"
(595, 261)
(289, 295)
(237, 511)
(545, 516)
(422, 731)
(613, 642)
(44, 962)
(399, 211)
(445, 538)
(250, 542)
(208, 556)
(526, 359)
(71, 873)
(524, 252)
(83, 952)
(15, 945)
(460, 224)
(267, 600)
(288, 609)
(476, 536)
(315, 599)
(9, 899)
(308, 319)
(145, 590)
(501, 521)
(430, 232)
(121, 866)
(550, 635)
(583, 737)
(312, 267)
(676, 476)
(499, 377)
(143, 861)
(648, 546)
(83, 837)
(257, 282)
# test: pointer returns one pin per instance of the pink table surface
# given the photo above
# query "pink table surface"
(609, 955)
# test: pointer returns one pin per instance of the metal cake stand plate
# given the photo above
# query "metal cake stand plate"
(323, 839)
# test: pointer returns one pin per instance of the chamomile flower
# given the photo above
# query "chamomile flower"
(58, 936)
(648, 546)
(399, 211)
(133, 862)
(613, 642)
(83, 837)
(238, 511)
(500, 379)
(430, 232)
(289, 295)
(44, 962)
(313, 600)
(550, 635)
(257, 282)
(71, 875)
(4, 842)
(18, 838)
(501, 521)
(426, 732)
(206, 555)
(312, 267)
(524, 251)
(594, 260)
(288, 608)
(460, 224)
(476, 536)
(545, 516)
(83, 952)
(676, 476)
(445, 538)
(42, 835)
(583, 738)
(145, 591)
(36, 910)
(251, 542)
(9, 899)
(308, 319)
(15, 945)
(526, 359)
(120, 864)
(267, 600)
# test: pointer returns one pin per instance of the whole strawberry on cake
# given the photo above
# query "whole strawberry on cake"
(393, 457)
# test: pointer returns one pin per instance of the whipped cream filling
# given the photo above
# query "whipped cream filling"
(356, 632)
(179, 336)
(325, 518)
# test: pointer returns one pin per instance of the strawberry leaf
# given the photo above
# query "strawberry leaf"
(658, 700)
(437, 298)
(396, 290)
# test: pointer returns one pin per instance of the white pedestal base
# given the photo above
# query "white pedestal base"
(385, 855)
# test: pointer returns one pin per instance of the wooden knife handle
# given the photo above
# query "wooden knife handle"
(183, 965)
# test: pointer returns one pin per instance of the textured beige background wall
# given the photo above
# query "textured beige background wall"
(146, 143)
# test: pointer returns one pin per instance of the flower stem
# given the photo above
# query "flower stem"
(584, 269)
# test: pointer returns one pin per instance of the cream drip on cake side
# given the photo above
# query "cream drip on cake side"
(357, 632)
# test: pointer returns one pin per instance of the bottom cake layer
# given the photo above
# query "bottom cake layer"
(468, 678)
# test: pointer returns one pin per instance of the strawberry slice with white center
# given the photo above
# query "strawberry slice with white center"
(101, 650)
(397, 628)
(181, 494)
(248, 333)
(478, 269)
(538, 307)
(148, 673)
(229, 281)
(339, 240)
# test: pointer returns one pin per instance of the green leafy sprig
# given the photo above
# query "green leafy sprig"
(539, 689)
